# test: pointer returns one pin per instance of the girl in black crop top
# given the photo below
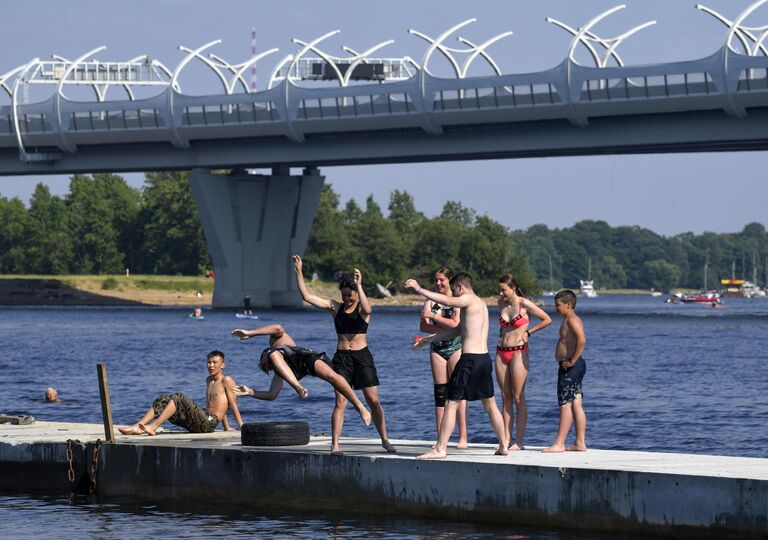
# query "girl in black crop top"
(352, 360)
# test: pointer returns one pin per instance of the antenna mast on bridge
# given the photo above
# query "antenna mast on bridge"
(253, 53)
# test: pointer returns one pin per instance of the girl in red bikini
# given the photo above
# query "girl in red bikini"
(512, 354)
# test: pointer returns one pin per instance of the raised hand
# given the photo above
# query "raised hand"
(357, 277)
(412, 284)
(297, 264)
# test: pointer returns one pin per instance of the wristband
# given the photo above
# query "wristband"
(528, 332)
(418, 291)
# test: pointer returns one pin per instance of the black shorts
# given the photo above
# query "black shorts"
(301, 360)
(356, 367)
(472, 378)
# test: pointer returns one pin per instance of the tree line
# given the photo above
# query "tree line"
(103, 226)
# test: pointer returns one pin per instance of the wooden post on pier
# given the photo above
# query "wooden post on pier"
(106, 408)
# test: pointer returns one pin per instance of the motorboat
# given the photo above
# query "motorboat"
(704, 297)
(587, 288)
(750, 290)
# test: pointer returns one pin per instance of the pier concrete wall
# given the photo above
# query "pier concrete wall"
(479, 489)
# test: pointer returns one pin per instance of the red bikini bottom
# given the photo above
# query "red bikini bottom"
(507, 353)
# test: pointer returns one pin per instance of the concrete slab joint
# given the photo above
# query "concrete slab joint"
(253, 223)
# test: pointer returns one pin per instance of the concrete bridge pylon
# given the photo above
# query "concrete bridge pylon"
(253, 223)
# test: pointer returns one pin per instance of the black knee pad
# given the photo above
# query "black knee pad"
(441, 394)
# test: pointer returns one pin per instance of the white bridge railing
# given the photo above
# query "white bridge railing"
(728, 80)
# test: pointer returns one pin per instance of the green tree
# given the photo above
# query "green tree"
(380, 249)
(661, 275)
(14, 236)
(50, 244)
(455, 211)
(173, 237)
(91, 225)
(329, 242)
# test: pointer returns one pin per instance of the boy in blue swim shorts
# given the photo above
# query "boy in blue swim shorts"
(573, 367)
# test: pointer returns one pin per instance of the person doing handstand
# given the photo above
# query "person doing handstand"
(180, 410)
(570, 397)
(352, 359)
(291, 363)
(472, 379)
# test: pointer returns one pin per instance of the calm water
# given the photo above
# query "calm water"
(668, 378)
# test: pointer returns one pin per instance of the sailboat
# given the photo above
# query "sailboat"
(587, 287)
(551, 291)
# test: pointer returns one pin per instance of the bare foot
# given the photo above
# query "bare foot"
(516, 447)
(336, 452)
(554, 449)
(577, 448)
(303, 392)
(462, 445)
(388, 446)
(133, 430)
(501, 451)
(148, 429)
(433, 454)
(366, 416)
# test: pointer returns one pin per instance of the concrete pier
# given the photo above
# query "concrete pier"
(676, 495)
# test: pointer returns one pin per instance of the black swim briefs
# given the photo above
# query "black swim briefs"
(472, 378)
(356, 367)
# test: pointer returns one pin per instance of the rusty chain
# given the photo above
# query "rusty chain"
(70, 470)
(94, 467)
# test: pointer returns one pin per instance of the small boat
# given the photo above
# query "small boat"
(587, 288)
(705, 297)
(244, 316)
(750, 290)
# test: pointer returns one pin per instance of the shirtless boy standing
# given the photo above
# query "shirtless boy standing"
(179, 409)
(568, 351)
(472, 378)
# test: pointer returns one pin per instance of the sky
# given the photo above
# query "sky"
(667, 193)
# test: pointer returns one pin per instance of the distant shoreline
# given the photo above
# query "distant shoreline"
(142, 290)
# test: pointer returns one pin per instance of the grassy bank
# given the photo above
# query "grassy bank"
(105, 289)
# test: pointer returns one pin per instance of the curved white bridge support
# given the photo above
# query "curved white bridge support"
(253, 224)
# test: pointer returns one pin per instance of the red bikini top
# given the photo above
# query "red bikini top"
(517, 321)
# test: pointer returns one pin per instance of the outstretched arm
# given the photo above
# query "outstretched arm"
(312, 299)
(268, 395)
(455, 301)
(229, 387)
(423, 341)
(274, 331)
(365, 306)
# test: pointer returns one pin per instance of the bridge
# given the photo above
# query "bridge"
(318, 109)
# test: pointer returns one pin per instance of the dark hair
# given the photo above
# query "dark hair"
(509, 279)
(346, 283)
(566, 296)
(463, 279)
(214, 354)
(447, 271)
